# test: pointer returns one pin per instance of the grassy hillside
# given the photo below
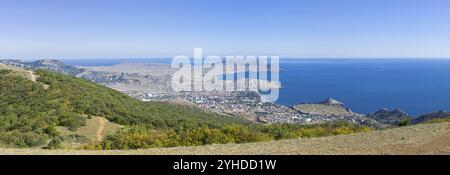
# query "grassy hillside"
(136, 137)
(85, 97)
(418, 139)
(28, 74)
(31, 111)
(94, 131)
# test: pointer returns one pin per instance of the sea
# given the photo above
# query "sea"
(417, 86)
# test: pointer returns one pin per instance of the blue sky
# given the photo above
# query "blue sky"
(165, 28)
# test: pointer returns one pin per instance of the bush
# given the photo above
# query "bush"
(136, 137)
(27, 139)
(405, 122)
(438, 120)
(55, 143)
(72, 121)
(51, 131)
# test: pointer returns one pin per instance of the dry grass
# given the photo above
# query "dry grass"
(91, 130)
(418, 139)
(28, 74)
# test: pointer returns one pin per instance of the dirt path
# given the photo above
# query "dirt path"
(101, 128)
(33, 77)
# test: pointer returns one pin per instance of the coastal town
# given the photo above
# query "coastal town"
(151, 82)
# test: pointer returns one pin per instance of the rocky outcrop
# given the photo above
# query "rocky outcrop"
(389, 117)
(328, 107)
(431, 116)
(332, 102)
(331, 110)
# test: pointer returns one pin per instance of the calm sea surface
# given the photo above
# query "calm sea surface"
(415, 85)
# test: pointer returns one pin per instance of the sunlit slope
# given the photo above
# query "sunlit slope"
(33, 106)
(417, 139)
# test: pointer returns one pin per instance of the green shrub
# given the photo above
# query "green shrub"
(71, 121)
(405, 122)
(136, 137)
(438, 120)
(51, 131)
(27, 139)
(55, 143)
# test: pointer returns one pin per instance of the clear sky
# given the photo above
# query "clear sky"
(165, 28)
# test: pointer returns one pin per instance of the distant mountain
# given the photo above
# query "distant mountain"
(100, 77)
(47, 64)
(389, 117)
(431, 116)
(331, 101)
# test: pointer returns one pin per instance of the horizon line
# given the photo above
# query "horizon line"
(289, 58)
